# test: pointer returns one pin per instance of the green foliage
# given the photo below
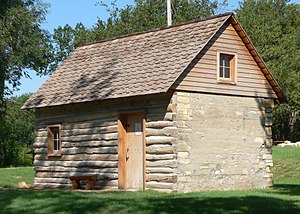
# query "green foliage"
(144, 15)
(19, 132)
(150, 14)
(23, 46)
(275, 32)
(66, 40)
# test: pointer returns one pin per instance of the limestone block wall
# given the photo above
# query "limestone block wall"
(223, 142)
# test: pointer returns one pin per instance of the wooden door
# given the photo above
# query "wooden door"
(131, 151)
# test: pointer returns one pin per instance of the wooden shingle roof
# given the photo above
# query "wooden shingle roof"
(137, 64)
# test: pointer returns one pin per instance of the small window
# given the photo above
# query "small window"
(54, 140)
(226, 68)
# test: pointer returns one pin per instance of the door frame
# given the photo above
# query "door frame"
(122, 146)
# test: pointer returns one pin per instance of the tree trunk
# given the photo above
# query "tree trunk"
(1, 155)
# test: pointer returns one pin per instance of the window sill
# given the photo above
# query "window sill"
(55, 154)
(230, 82)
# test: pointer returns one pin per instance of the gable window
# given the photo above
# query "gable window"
(54, 140)
(227, 67)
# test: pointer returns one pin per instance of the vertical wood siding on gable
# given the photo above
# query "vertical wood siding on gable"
(201, 74)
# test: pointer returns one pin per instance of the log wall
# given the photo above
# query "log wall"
(90, 142)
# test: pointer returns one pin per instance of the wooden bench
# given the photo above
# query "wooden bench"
(89, 178)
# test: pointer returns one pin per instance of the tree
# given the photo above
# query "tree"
(143, 15)
(19, 135)
(275, 32)
(23, 45)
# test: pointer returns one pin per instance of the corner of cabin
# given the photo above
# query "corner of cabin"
(224, 127)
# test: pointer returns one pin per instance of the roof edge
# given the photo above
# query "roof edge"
(258, 59)
(90, 101)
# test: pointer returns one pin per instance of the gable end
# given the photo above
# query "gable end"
(252, 78)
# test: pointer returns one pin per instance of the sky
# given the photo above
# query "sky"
(62, 12)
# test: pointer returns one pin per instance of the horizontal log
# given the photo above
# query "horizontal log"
(52, 180)
(168, 178)
(160, 170)
(74, 118)
(95, 143)
(160, 140)
(41, 133)
(43, 150)
(103, 164)
(88, 131)
(160, 157)
(88, 150)
(51, 186)
(163, 108)
(80, 157)
(40, 126)
(166, 131)
(162, 163)
(110, 136)
(104, 176)
(74, 169)
(41, 140)
(81, 150)
(160, 185)
(40, 145)
(101, 184)
(160, 124)
(160, 149)
(169, 116)
(96, 123)
(106, 183)
(115, 103)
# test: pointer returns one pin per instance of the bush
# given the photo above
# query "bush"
(18, 134)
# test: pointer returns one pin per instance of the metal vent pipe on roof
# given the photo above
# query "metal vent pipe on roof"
(169, 12)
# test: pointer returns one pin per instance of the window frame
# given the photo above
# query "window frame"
(232, 65)
(50, 141)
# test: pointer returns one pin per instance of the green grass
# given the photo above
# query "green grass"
(10, 177)
(283, 198)
(286, 168)
(148, 202)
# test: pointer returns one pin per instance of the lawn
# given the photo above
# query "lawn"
(283, 198)
(10, 177)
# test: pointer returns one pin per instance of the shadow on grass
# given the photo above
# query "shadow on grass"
(8, 186)
(13, 201)
(288, 189)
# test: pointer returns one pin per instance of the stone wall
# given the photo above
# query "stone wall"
(224, 142)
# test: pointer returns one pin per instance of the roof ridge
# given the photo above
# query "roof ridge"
(156, 29)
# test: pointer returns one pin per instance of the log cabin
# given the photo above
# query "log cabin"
(183, 108)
